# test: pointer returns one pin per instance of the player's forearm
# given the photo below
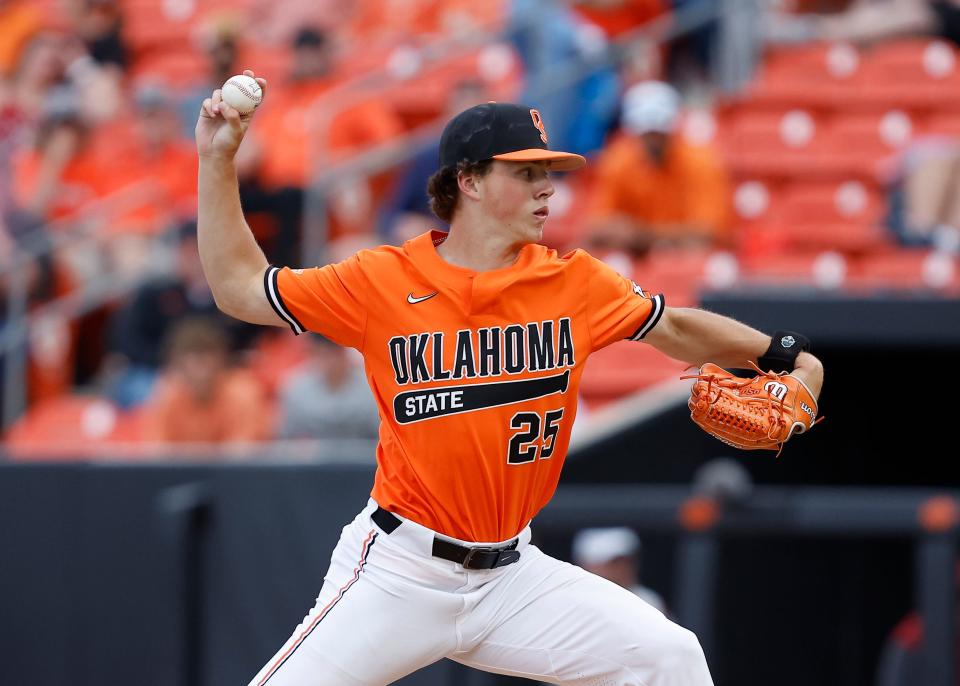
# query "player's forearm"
(697, 336)
(229, 253)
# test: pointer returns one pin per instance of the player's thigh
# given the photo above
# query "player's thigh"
(368, 627)
(560, 624)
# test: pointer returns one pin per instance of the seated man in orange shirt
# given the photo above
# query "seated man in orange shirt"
(199, 399)
(293, 120)
(652, 186)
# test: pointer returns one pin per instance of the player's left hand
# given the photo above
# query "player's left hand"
(760, 413)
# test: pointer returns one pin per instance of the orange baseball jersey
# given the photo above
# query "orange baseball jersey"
(475, 373)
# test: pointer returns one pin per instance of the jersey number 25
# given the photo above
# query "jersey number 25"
(527, 441)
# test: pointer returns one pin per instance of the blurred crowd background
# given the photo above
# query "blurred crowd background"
(807, 144)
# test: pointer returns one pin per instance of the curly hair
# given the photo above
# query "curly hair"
(443, 190)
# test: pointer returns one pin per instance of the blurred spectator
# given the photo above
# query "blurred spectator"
(654, 187)
(21, 21)
(296, 134)
(549, 36)
(138, 330)
(294, 122)
(38, 66)
(153, 162)
(868, 22)
(199, 398)
(99, 23)
(276, 22)
(328, 397)
(54, 177)
(614, 554)
(221, 47)
(924, 203)
(408, 212)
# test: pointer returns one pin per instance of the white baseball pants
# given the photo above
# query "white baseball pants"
(388, 608)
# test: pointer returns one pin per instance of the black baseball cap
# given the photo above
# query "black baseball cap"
(501, 131)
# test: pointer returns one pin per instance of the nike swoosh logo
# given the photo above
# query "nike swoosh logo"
(413, 301)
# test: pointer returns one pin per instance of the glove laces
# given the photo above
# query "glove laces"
(742, 420)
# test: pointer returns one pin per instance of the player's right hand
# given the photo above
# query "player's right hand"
(220, 128)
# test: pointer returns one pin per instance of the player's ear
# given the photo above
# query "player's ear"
(468, 184)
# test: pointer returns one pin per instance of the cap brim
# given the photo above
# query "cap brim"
(560, 161)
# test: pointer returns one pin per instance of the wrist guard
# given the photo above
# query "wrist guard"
(782, 353)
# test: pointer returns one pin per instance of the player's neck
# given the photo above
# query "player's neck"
(474, 248)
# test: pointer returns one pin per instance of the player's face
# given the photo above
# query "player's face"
(516, 195)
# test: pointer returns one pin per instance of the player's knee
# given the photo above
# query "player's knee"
(665, 655)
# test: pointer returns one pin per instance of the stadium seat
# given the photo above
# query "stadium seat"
(678, 274)
(784, 268)
(913, 74)
(818, 76)
(842, 216)
(170, 66)
(623, 368)
(860, 145)
(908, 269)
(941, 124)
(70, 427)
(773, 144)
(425, 95)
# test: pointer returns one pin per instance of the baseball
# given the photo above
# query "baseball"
(242, 93)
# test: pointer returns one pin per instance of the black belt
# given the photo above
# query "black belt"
(471, 557)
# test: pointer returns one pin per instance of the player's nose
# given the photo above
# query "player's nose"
(545, 189)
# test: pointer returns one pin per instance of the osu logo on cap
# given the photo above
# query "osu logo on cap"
(538, 122)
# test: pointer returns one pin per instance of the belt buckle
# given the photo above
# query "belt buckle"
(502, 557)
(474, 553)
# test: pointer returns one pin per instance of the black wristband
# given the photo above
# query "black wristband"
(783, 351)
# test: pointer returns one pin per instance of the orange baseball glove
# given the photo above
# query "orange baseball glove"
(760, 413)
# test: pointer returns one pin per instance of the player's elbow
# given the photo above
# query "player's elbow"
(229, 306)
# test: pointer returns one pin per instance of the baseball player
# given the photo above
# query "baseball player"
(474, 344)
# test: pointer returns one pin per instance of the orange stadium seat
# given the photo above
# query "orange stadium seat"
(180, 67)
(861, 144)
(842, 216)
(623, 368)
(779, 268)
(69, 426)
(773, 144)
(941, 124)
(424, 96)
(913, 74)
(676, 273)
(819, 76)
(908, 269)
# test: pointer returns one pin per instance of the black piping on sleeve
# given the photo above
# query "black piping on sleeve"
(276, 302)
(651, 321)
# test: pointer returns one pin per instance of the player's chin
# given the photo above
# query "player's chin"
(536, 226)
(534, 232)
